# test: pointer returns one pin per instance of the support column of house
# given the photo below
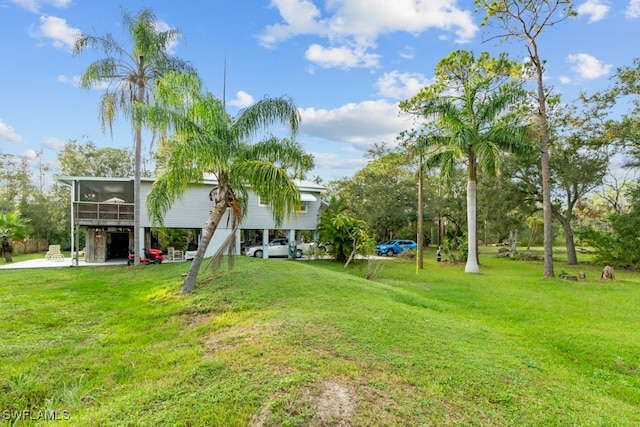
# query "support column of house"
(74, 244)
(141, 239)
(316, 243)
(238, 242)
(265, 243)
(292, 238)
(73, 235)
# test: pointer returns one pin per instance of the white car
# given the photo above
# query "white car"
(277, 248)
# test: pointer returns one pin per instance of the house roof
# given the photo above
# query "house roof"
(119, 185)
(302, 184)
(100, 185)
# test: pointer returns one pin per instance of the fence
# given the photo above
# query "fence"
(28, 246)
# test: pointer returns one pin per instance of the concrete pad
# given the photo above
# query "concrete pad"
(67, 262)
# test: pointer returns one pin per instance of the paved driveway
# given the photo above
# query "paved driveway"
(45, 263)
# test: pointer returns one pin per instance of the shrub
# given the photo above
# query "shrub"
(455, 249)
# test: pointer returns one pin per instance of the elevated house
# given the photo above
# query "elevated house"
(102, 208)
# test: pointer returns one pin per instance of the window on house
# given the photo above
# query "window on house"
(303, 207)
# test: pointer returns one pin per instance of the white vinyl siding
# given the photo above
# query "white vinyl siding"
(190, 211)
(259, 216)
(194, 208)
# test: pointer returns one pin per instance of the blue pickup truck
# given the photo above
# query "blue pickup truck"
(393, 247)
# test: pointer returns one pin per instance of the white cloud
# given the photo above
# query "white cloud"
(324, 160)
(243, 100)
(407, 52)
(565, 79)
(53, 142)
(299, 16)
(360, 125)
(29, 154)
(633, 10)
(8, 134)
(401, 85)
(342, 57)
(71, 81)
(588, 67)
(35, 5)
(74, 81)
(596, 9)
(353, 26)
(56, 29)
(369, 18)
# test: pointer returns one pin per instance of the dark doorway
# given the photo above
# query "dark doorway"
(118, 245)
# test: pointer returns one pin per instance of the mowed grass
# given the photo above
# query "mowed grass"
(279, 343)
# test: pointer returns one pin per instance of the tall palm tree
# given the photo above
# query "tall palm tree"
(206, 140)
(130, 74)
(415, 147)
(467, 106)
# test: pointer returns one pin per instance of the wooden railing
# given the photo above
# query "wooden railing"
(107, 212)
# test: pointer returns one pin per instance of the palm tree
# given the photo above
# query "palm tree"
(468, 105)
(130, 74)
(415, 146)
(206, 140)
(340, 245)
(11, 227)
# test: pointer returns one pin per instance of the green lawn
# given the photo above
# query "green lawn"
(279, 343)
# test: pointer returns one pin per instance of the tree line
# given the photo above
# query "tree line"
(529, 159)
(594, 201)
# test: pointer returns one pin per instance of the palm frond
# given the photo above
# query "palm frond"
(271, 182)
(265, 113)
(282, 152)
(160, 199)
(174, 182)
(446, 160)
(490, 155)
(228, 247)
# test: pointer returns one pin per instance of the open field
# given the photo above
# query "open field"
(279, 343)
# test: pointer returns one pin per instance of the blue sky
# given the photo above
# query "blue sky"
(346, 63)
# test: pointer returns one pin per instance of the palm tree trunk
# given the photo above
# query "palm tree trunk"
(472, 259)
(212, 224)
(546, 174)
(137, 245)
(136, 197)
(420, 237)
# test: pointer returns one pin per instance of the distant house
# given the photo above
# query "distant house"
(103, 208)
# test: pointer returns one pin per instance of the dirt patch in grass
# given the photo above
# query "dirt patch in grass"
(231, 337)
(196, 319)
(328, 403)
(336, 402)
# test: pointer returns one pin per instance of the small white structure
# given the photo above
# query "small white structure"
(54, 253)
(103, 207)
(114, 200)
